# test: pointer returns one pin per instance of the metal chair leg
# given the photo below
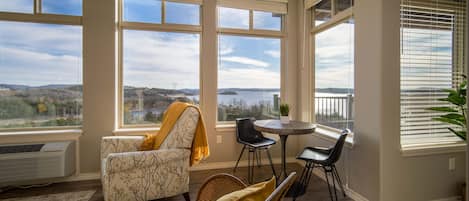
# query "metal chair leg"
(333, 182)
(249, 166)
(328, 184)
(334, 169)
(271, 163)
(239, 158)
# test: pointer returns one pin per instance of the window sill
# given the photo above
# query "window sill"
(432, 149)
(135, 131)
(39, 136)
(225, 128)
(332, 135)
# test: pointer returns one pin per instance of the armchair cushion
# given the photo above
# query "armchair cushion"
(254, 192)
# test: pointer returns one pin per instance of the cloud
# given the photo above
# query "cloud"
(248, 78)
(21, 6)
(273, 53)
(245, 60)
(40, 54)
(233, 18)
(161, 60)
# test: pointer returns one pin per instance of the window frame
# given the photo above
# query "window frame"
(153, 27)
(336, 19)
(38, 17)
(255, 33)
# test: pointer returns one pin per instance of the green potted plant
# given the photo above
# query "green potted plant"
(456, 113)
(284, 111)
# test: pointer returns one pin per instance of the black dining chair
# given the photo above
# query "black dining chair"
(324, 158)
(255, 142)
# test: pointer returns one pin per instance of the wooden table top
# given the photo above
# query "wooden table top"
(292, 128)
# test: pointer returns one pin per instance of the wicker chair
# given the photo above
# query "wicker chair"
(219, 185)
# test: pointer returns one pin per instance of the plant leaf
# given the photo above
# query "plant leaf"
(461, 134)
(455, 116)
(449, 121)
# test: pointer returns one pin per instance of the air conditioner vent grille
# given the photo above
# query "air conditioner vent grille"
(20, 148)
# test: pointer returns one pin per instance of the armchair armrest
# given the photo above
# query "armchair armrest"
(118, 144)
(119, 162)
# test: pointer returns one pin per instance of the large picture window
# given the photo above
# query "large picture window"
(40, 68)
(333, 39)
(248, 66)
(160, 61)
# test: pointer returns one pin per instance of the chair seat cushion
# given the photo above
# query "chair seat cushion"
(262, 142)
(315, 155)
(259, 191)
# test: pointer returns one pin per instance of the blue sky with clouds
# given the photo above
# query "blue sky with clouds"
(41, 54)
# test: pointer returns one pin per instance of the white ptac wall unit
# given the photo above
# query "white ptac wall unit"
(26, 162)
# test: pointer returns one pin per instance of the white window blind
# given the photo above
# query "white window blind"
(432, 59)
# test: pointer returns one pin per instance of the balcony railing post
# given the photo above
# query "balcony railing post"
(349, 106)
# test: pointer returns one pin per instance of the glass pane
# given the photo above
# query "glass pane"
(248, 77)
(266, 20)
(322, 12)
(41, 75)
(341, 5)
(159, 68)
(148, 11)
(64, 7)
(334, 76)
(17, 6)
(233, 18)
(182, 13)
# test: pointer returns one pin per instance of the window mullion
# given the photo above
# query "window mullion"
(251, 20)
(163, 12)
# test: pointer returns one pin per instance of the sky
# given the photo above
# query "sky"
(39, 54)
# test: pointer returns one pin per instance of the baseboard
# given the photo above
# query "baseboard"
(350, 193)
(231, 164)
(83, 177)
(454, 198)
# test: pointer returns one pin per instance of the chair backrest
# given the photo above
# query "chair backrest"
(337, 149)
(245, 131)
(219, 185)
(182, 134)
(280, 192)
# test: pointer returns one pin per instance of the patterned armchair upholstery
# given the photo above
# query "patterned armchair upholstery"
(129, 174)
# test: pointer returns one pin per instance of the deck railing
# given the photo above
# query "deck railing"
(334, 111)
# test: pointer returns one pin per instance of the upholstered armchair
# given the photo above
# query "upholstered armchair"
(129, 174)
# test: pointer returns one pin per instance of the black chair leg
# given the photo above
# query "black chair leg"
(186, 196)
(333, 182)
(328, 184)
(304, 179)
(239, 158)
(339, 180)
(271, 163)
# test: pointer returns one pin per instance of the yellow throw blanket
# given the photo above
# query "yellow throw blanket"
(200, 149)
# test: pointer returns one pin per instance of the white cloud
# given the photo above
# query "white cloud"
(21, 6)
(246, 61)
(248, 78)
(273, 53)
(161, 60)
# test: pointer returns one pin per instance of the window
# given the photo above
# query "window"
(432, 60)
(160, 62)
(45, 89)
(248, 66)
(333, 66)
